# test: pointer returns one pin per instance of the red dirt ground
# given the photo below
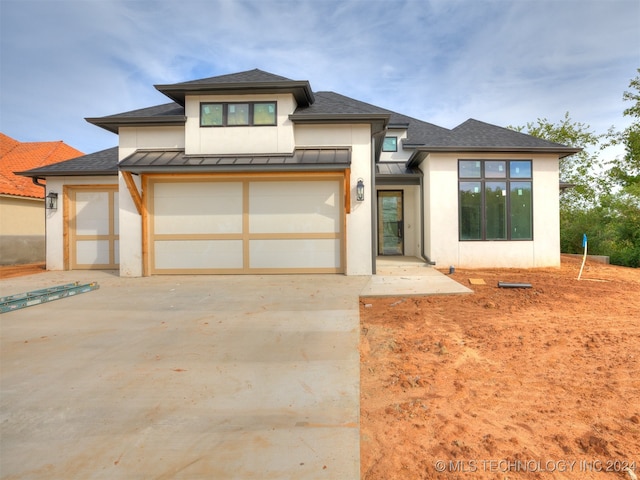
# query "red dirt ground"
(506, 383)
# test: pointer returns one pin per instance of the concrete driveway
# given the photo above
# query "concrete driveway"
(182, 377)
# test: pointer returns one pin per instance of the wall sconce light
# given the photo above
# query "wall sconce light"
(51, 201)
(360, 191)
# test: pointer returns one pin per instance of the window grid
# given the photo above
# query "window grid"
(238, 114)
(495, 200)
(390, 144)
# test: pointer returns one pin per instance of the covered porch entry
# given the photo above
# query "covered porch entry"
(398, 229)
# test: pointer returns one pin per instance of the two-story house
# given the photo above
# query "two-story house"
(256, 173)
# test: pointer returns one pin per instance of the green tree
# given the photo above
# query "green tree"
(583, 169)
(623, 202)
(605, 202)
(625, 171)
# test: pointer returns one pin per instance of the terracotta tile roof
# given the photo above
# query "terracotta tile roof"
(16, 156)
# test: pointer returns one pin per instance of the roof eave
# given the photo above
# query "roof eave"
(22, 197)
(301, 90)
(378, 122)
(329, 167)
(112, 124)
(62, 173)
(420, 152)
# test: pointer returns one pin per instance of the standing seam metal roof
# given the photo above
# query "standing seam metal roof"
(175, 160)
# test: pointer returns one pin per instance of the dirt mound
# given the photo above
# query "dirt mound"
(541, 382)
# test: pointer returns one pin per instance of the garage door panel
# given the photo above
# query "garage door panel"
(287, 207)
(295, 253)
(200, 207)
(116, 216)
(92, 213)
(92, 252)
(198, 254)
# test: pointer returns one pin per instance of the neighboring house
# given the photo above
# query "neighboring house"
(256, 173)
(22, 204)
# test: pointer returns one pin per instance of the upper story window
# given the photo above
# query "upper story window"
(390, 144)
(495, 200)
(231, 114)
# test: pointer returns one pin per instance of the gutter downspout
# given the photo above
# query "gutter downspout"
(422, 216)
(35, 181)
(374, 213)
(375, 155)
(422, 220)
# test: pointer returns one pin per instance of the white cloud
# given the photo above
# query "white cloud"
(505, 62)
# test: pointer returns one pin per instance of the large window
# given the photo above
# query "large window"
(237, 114)
(495, 200)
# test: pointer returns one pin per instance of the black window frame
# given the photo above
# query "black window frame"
(251, 114)
(395, 146)
(489, 177)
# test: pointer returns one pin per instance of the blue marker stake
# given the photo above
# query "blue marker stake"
(584, 257)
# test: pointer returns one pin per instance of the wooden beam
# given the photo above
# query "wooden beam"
(347, 190)
(133, 191)
(146, 228)
(66, 205)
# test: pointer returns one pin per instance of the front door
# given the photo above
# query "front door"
(390, 223)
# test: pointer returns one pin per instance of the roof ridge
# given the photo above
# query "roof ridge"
(241, 77)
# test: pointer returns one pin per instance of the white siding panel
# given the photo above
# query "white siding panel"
(198, 254)
(287, 207)
(198, 207)
(303, 253)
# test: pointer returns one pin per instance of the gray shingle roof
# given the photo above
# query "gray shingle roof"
(480, 134)
(104, 162)
(334, 104)
(469, 136)
(166, 114)
(164, 110)
(249, 76)
(256, 81)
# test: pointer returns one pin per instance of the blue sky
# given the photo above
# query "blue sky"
(506, 62)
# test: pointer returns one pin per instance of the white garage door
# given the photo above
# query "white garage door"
(93, 227)
(261, 225)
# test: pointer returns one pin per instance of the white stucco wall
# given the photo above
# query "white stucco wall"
(130, 221)
(358, 222)
(400, 155)
(54, 218)
(134, 138)
(441, 221)
(130, 140)
(240, 139)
